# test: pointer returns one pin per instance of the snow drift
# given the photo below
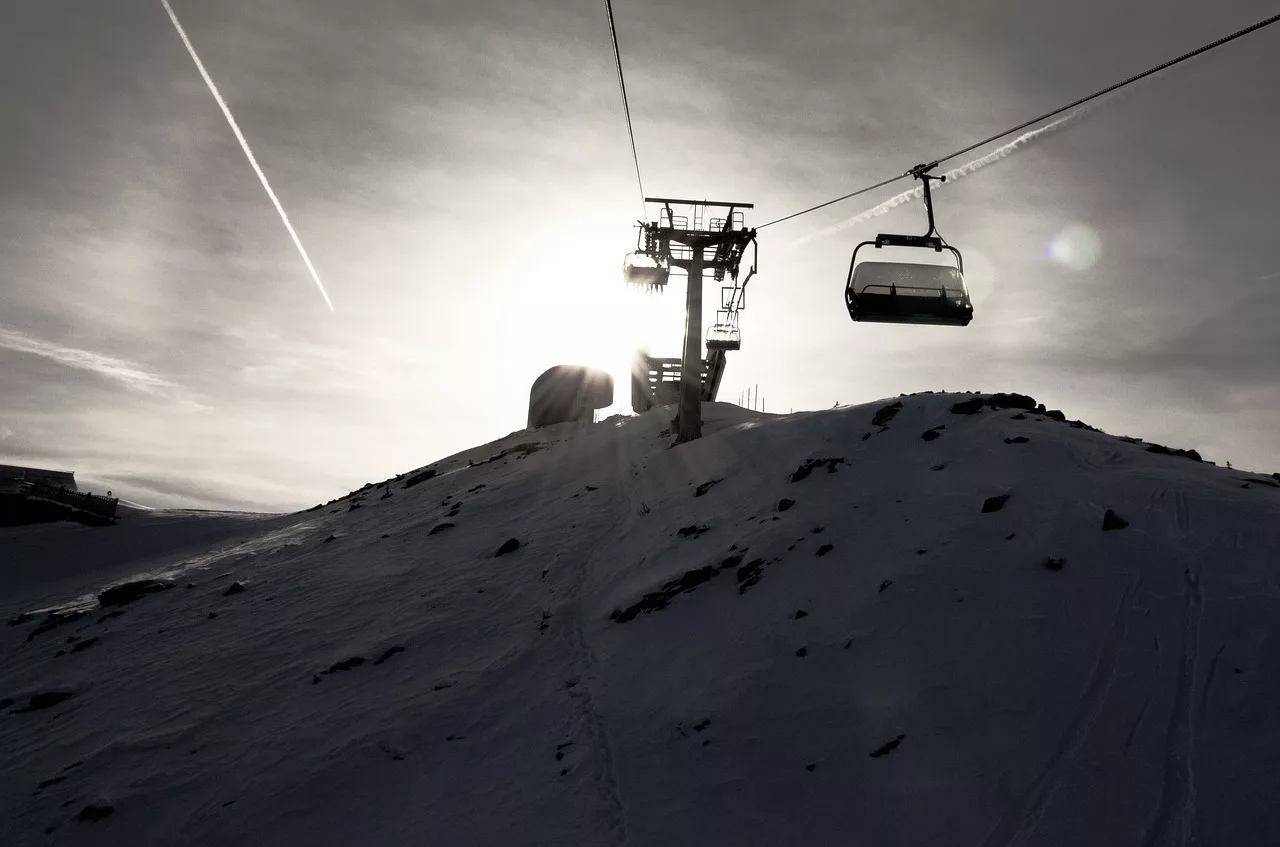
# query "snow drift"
(943, 619)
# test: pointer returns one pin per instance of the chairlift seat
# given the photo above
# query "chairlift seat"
(900, 292)
(644, 271)
(724, 338)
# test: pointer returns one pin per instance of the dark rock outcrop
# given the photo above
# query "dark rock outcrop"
(886, 413)
(125, 593)
(1111, 520)
(886, 748)
(994, 504)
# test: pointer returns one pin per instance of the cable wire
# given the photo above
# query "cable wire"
(626, 110)
(970, 148)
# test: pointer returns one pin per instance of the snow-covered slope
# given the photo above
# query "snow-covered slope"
(698, 645)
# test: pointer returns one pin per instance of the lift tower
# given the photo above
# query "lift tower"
(695, 242)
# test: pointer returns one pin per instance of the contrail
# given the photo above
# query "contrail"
(226, 110)
(952, 175)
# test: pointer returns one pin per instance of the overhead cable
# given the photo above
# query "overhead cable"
(626, 109)
(970, 148)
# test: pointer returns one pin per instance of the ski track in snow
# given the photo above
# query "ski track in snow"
(1172, 822)
(585, 718)
(1020, 824)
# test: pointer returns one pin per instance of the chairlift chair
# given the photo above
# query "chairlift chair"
(908, 292)
(642, 270)
(724, 333)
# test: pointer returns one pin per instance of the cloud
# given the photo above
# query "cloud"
(108, 367)
(6, 433)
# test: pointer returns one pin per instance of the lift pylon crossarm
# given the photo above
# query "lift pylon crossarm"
(667, 201)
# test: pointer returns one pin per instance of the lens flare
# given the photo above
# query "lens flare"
(1077, 247)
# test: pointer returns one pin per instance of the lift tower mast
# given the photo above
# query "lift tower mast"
(684, 241)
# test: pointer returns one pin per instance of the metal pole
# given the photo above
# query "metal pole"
(691, 365)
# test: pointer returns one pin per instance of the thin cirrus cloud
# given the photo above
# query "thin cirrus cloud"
(108, 367)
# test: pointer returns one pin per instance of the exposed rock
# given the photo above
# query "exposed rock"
(115, 613)
(388, 653)
(95, 812)
(886, 584)
(509, 546)
(749, 574)
(46, 700)
(330, 538)
(120, 595)
(816, 530)
(811, 465)
(886, 748)
(968, 407)
(660, 599)
(233, 589)
(800, 613)
(824, 549)
(422, 476)
(785, 503)
(691, 531)
(441, 527)
(994, 504)
(932, 434)
(809, 767)
(1053, 563)
(802, 652)
(1170, 451)
(1017, 439)
(1013, 401)
(886, 413)
(1111, 520)
(86, 644)
(345, 665)
(5, 702)
(705, 487)
(55, 619)
(938, 467)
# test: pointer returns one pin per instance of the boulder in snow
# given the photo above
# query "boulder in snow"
(994, 504)
(1111, 520)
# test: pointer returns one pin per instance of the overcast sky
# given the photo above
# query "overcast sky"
(461, 176)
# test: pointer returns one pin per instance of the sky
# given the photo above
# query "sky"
(460, 175)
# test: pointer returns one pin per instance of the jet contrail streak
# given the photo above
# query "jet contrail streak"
(952, 175)
(226, 110)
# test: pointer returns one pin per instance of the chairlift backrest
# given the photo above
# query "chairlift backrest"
(908, 279)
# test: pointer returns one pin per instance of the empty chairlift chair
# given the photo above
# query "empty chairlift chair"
(909, 292)
(724, 334)
(642, 270)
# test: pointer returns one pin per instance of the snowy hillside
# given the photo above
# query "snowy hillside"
(901, 623)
